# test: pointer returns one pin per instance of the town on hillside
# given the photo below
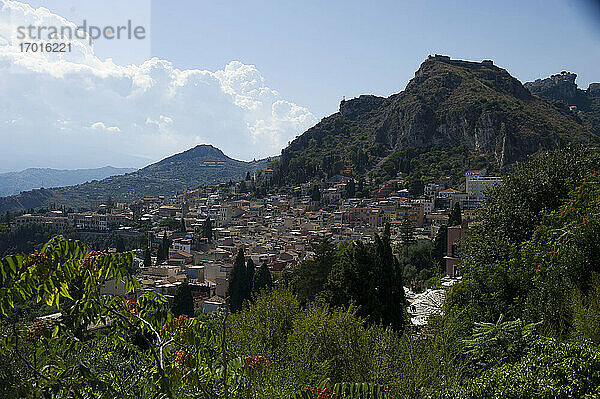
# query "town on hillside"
(204, 228)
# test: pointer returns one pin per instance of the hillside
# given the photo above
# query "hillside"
(201, 165)
(453, 115)
(562, 88)
(14, 182)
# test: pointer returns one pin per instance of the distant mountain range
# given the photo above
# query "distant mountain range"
(14, 182)
(201, 165)
(453, 115)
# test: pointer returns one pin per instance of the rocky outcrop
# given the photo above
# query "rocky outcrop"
(454, 102)
(560, 87)
(585, 104)
(594, 90)
(448, 103)
(359, 107)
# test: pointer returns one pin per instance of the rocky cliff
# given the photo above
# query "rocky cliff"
(584, 104)
(557, 87)
(449, 103)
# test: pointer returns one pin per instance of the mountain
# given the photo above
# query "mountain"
(201, 165)
(14, 182)
(562, 88)
(451, 116)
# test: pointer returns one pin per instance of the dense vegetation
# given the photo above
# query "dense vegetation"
(32, 236)
(523, 323)
(424, 165)
(365, 275)
(537, 243)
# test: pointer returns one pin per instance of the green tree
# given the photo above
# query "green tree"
(440, 244)
(369, 276)
(455, 217)
(350, 189)
(147, 258)
(415, 186)
(120, 244)
(263, 279)
(183, 302)
(552, 369)
(250, 275)
(310, 276)
(390, 287)
(163, 249)
(494, 344)
(170, 224)
(417, 263)
(207, 231)
(306, 345)
(144, 348)
(238, 282)
(533, 246)
(350, 279)
(315, 194)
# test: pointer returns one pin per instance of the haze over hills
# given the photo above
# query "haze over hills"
(452, 115)
(201, 165)
(14, 182)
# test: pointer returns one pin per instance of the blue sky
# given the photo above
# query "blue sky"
(249, 76)
(315, 52)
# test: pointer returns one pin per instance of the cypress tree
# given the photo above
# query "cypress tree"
(183, 302)
(238, 282)
(350, 189)
(439, 245)
(207, 229)
(455, 217)
(387, 231)
(262, 280)
(163, 250)
(249, 278)
(315, 194)
(120, 245)
(147, 258)
(390, 290)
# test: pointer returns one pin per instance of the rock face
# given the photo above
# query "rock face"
(594, 90)
(448, 103)
(557, 87)
(453, 103)
(359, 107)
(562, 87)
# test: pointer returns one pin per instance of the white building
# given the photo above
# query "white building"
(181, 244)
(477, 183)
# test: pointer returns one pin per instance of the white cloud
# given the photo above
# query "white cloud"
(63, 110)
(102, 126)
